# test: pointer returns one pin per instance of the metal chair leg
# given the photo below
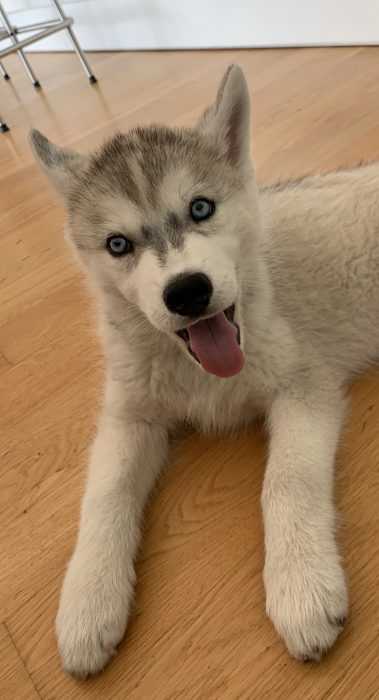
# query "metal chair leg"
(28, 69)
(3, 126)
(86, 67)
(81, 56)
(4, 73)
(20, 53)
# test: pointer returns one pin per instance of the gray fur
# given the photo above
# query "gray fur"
(175, 230)
(133, 166)
(301, 265)
(155, 239)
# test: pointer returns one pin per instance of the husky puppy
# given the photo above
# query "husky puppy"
(219, 301)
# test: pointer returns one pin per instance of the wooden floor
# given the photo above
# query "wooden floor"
(199, 630)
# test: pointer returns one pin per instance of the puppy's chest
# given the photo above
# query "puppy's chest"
(189, 394)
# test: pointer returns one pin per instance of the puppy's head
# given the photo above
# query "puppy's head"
(166, 216)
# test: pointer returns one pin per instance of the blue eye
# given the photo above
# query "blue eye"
(118, 245)
(202, 208)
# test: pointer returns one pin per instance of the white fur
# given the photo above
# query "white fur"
(302, 265)
(98, 588)
(305, 585)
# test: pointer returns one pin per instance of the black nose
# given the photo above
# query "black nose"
(188, 295)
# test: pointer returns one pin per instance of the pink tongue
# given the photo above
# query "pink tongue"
(214, 342)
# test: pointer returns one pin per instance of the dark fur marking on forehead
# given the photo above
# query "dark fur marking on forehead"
(154, 239)
(112, 167)
(133, 166)
(153, 151)
(147, 234)
(175, 230)
(159, 239)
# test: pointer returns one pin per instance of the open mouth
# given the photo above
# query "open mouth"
(214, 343)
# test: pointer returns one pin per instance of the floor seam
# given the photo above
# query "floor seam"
(21, 659)
(6, 359)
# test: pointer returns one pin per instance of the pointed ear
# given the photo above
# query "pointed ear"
(227, 121)
(61, 165)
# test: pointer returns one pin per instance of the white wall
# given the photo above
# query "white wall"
(169, 24)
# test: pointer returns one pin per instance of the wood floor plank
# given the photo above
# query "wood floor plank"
(15, 683)
(4, 362)
(199, 630)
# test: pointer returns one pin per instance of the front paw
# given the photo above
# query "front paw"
(307, 604)
(91, 619)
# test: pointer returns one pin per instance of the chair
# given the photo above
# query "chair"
(42, 30)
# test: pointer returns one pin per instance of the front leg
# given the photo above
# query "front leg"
(306, 596)
(98, 588)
